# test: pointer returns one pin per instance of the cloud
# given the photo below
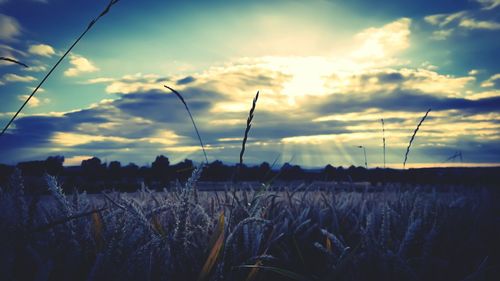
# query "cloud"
(139, 125)
(442, 34)
(79, 65)
(465, 20)
(489, 4)
(405, 100)
(76, 160)
(10, 77)
(36, 68)
(134, 83)
(11, 52)
(40, 90)
(473, 72)
(33, 102)
(492, 82)
(387, 79)
(442, 20)
(41, 50)
(185, 80)
(484, 95)
(470, 23)
(9, 28)
(99, 80)
(384, 42)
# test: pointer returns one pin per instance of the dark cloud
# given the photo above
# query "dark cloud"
(473, 151)
(185, 80)
(395, 77)
(166, 108)
(404, 100)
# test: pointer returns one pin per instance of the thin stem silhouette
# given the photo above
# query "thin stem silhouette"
(13, 61)
(413, 137)
(383, 137)
(364, 152)
(104, 12)
(192, 119)
(249, 125)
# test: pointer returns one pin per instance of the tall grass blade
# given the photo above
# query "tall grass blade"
(104, 12)
(253, 273)
(192, 119)
(413, 136)
(280, 271)
(217, 241)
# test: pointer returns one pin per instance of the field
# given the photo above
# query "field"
(201, 229)
(396, 233)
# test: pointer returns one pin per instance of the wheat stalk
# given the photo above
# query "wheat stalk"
(192, 119)
(413, 137)
(249, 125)
(92, 22)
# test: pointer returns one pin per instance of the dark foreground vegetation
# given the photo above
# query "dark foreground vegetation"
(94, 176)
(423, 233)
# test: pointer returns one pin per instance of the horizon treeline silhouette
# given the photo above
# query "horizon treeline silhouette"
(93, 175)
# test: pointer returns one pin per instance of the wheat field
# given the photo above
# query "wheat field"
(399, 233)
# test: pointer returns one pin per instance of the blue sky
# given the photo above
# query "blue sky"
(328, 71)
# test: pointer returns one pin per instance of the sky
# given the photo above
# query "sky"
(328, 71)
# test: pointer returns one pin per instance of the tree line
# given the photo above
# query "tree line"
(95, 175)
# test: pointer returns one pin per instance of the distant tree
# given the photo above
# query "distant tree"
(5, 172)
(217, 171)
(131, 171)
(161, 163)
(54, 165)
(115, 170)
(161, 170)
(93, 169)
(32, 168)
(291, 173)
(182, 170)
(264, 172)
(357, 173)
(329, 173)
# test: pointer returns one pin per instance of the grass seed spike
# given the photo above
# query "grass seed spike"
(249, 125)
